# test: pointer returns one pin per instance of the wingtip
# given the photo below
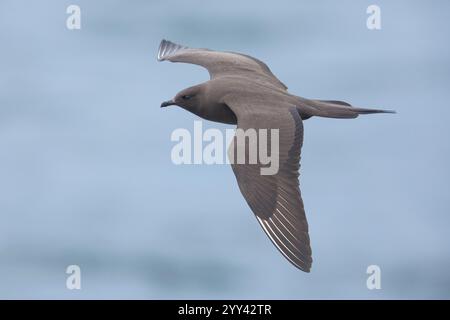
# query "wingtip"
(161, 47)
(306, 267)
(167, 48)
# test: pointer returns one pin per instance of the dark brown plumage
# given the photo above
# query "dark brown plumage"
(243, 91)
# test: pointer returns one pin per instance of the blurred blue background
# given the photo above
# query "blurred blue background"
(86, 176)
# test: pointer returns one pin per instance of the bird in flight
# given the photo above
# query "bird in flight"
(243, 91)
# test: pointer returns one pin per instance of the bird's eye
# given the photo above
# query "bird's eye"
(187, 97)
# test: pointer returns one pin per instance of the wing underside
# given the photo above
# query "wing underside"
(276, 199)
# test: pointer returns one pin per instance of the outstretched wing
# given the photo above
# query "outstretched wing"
(274, 199)
(219, 63)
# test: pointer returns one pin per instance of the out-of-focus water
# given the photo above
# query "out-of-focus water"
(86, 176)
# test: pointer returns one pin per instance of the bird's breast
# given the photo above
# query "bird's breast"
(217, 113)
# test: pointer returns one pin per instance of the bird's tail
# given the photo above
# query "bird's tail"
(335, 109)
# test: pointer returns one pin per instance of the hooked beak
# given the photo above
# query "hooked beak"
(167, 103)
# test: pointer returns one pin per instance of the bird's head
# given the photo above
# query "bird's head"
(189, 99)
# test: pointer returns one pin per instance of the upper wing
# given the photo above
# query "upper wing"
(219, 63)
(274, 199)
